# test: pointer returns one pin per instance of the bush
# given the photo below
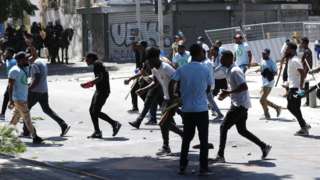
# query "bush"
(9, 141)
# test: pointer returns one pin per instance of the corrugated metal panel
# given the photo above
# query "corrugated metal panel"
(123, 28)
(256, 48)
(194, 23)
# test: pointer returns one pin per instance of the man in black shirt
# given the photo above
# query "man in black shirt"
(100, 96)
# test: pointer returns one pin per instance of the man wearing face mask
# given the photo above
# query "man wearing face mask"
(18, 94)
(181, 57)
(240, 103)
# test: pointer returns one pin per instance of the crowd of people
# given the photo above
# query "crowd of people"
(47, 40)
(183, 84)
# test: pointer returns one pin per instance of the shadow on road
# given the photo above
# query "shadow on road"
(137, 168)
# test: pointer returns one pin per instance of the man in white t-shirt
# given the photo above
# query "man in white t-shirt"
(243, 55)
(240, 103)
(162, 73)
(296, 81)
(205, 47)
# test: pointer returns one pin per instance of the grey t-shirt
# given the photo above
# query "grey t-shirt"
(236, 77)
(39, 67)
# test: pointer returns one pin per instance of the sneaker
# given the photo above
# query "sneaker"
(64, 130)
(135, 124)
(25, 134)
(165, 150)
(278, 111)
(96, 134)
(151, 122)
(210, 146)
(219, 159)
(218, 118)
(116, 129)
(213, 113)
(204, 172)
(133, 110)
(37, 140)
(2, 117)
(302, 132)
(266, 151)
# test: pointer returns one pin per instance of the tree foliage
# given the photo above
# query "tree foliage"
(15, 9)
(9, 142)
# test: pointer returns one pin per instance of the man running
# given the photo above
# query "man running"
(100, 96)
(18, 94)
(296, 76)
(240, 103)
(268, 70)
(162, 73)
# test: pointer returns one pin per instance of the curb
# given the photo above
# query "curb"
(50, 165)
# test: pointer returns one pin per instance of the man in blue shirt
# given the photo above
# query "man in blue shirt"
(181, 57)
(9, 62)
(195, 81)
(268, 70)
(18, 95)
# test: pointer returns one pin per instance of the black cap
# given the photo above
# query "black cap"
(20, 55)
(266, 51)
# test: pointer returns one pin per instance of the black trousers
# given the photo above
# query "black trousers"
(98, 100)
(5, 101)
(294, 104)
(191, 121)
(43, 100)
(236, 116)
(168, 125)
(134, 96)
(153, 98)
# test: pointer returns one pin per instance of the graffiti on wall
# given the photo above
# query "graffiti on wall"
(123, 34)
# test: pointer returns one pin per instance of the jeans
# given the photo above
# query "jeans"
(191, 121)
(294, 103)
(168, 125)
(5, 102)
(265, 91)
(98, 100)
(213, 104)
(236, 116)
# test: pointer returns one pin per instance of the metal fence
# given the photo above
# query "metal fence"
(267, 31)
(267, 35)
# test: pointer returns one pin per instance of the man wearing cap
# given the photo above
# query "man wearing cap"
(18, 94)
(181, 57)
(268, 69)
(243, 55)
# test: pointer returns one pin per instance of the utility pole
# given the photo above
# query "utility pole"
(243, 13)
(160, 22)
(138, 17)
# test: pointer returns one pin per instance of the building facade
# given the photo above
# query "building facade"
(110, 30)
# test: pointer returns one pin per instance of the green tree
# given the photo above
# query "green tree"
(16, 9)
